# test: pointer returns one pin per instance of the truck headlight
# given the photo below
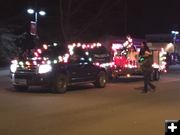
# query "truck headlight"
(44, 68)
(13, 68)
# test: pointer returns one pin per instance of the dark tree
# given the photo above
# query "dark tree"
(77, 17)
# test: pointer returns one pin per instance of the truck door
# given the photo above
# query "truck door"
(75, 69)
(89, 68)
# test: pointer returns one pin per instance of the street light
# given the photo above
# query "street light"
(174, 33)
(41, 13)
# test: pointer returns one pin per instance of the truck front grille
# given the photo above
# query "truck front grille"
(27, 69)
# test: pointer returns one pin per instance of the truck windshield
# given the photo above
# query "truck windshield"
(99, 54)
(54, 51)
(99, 50)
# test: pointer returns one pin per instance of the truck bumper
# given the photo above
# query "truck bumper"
(32, 79)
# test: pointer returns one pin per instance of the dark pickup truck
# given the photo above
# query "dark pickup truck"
(56, 70)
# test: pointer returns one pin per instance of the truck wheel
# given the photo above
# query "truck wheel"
(20, 88)
(100, 80)
(157, 75)
(152, 76)
(60, 85)
(112, 76)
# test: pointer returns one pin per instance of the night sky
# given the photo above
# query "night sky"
(116, 17)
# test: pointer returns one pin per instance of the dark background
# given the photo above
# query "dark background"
(118, 18)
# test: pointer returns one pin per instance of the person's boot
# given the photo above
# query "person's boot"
(144, 90)
(153, 88)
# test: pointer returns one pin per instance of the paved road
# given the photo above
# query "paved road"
(119, 109)
(4, 71)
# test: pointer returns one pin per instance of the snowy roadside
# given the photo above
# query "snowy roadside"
(4, 71)
(174, 67)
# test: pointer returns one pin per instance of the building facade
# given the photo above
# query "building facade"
(166, 41)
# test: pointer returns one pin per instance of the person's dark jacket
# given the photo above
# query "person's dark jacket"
(146, 65)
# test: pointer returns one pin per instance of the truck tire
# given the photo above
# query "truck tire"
(60, 85)
(152, 76)
(156, 75)
(112, 76)
(20, 88)
(101, 80)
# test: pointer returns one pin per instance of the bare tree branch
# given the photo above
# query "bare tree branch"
(67, 12)
(68, 17)
(104, 8)
(79, 6)
(62, 20)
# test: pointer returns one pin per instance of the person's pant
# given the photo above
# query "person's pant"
(147, 79)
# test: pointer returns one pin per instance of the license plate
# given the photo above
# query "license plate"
(20, 81)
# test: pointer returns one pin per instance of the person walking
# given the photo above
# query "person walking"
(146, 65)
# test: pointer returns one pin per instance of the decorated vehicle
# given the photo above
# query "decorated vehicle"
(127, 61)
(96, 52)
(55, 67)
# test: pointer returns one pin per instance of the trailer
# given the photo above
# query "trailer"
(127, 62)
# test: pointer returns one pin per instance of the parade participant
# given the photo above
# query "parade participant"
(146, 66)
